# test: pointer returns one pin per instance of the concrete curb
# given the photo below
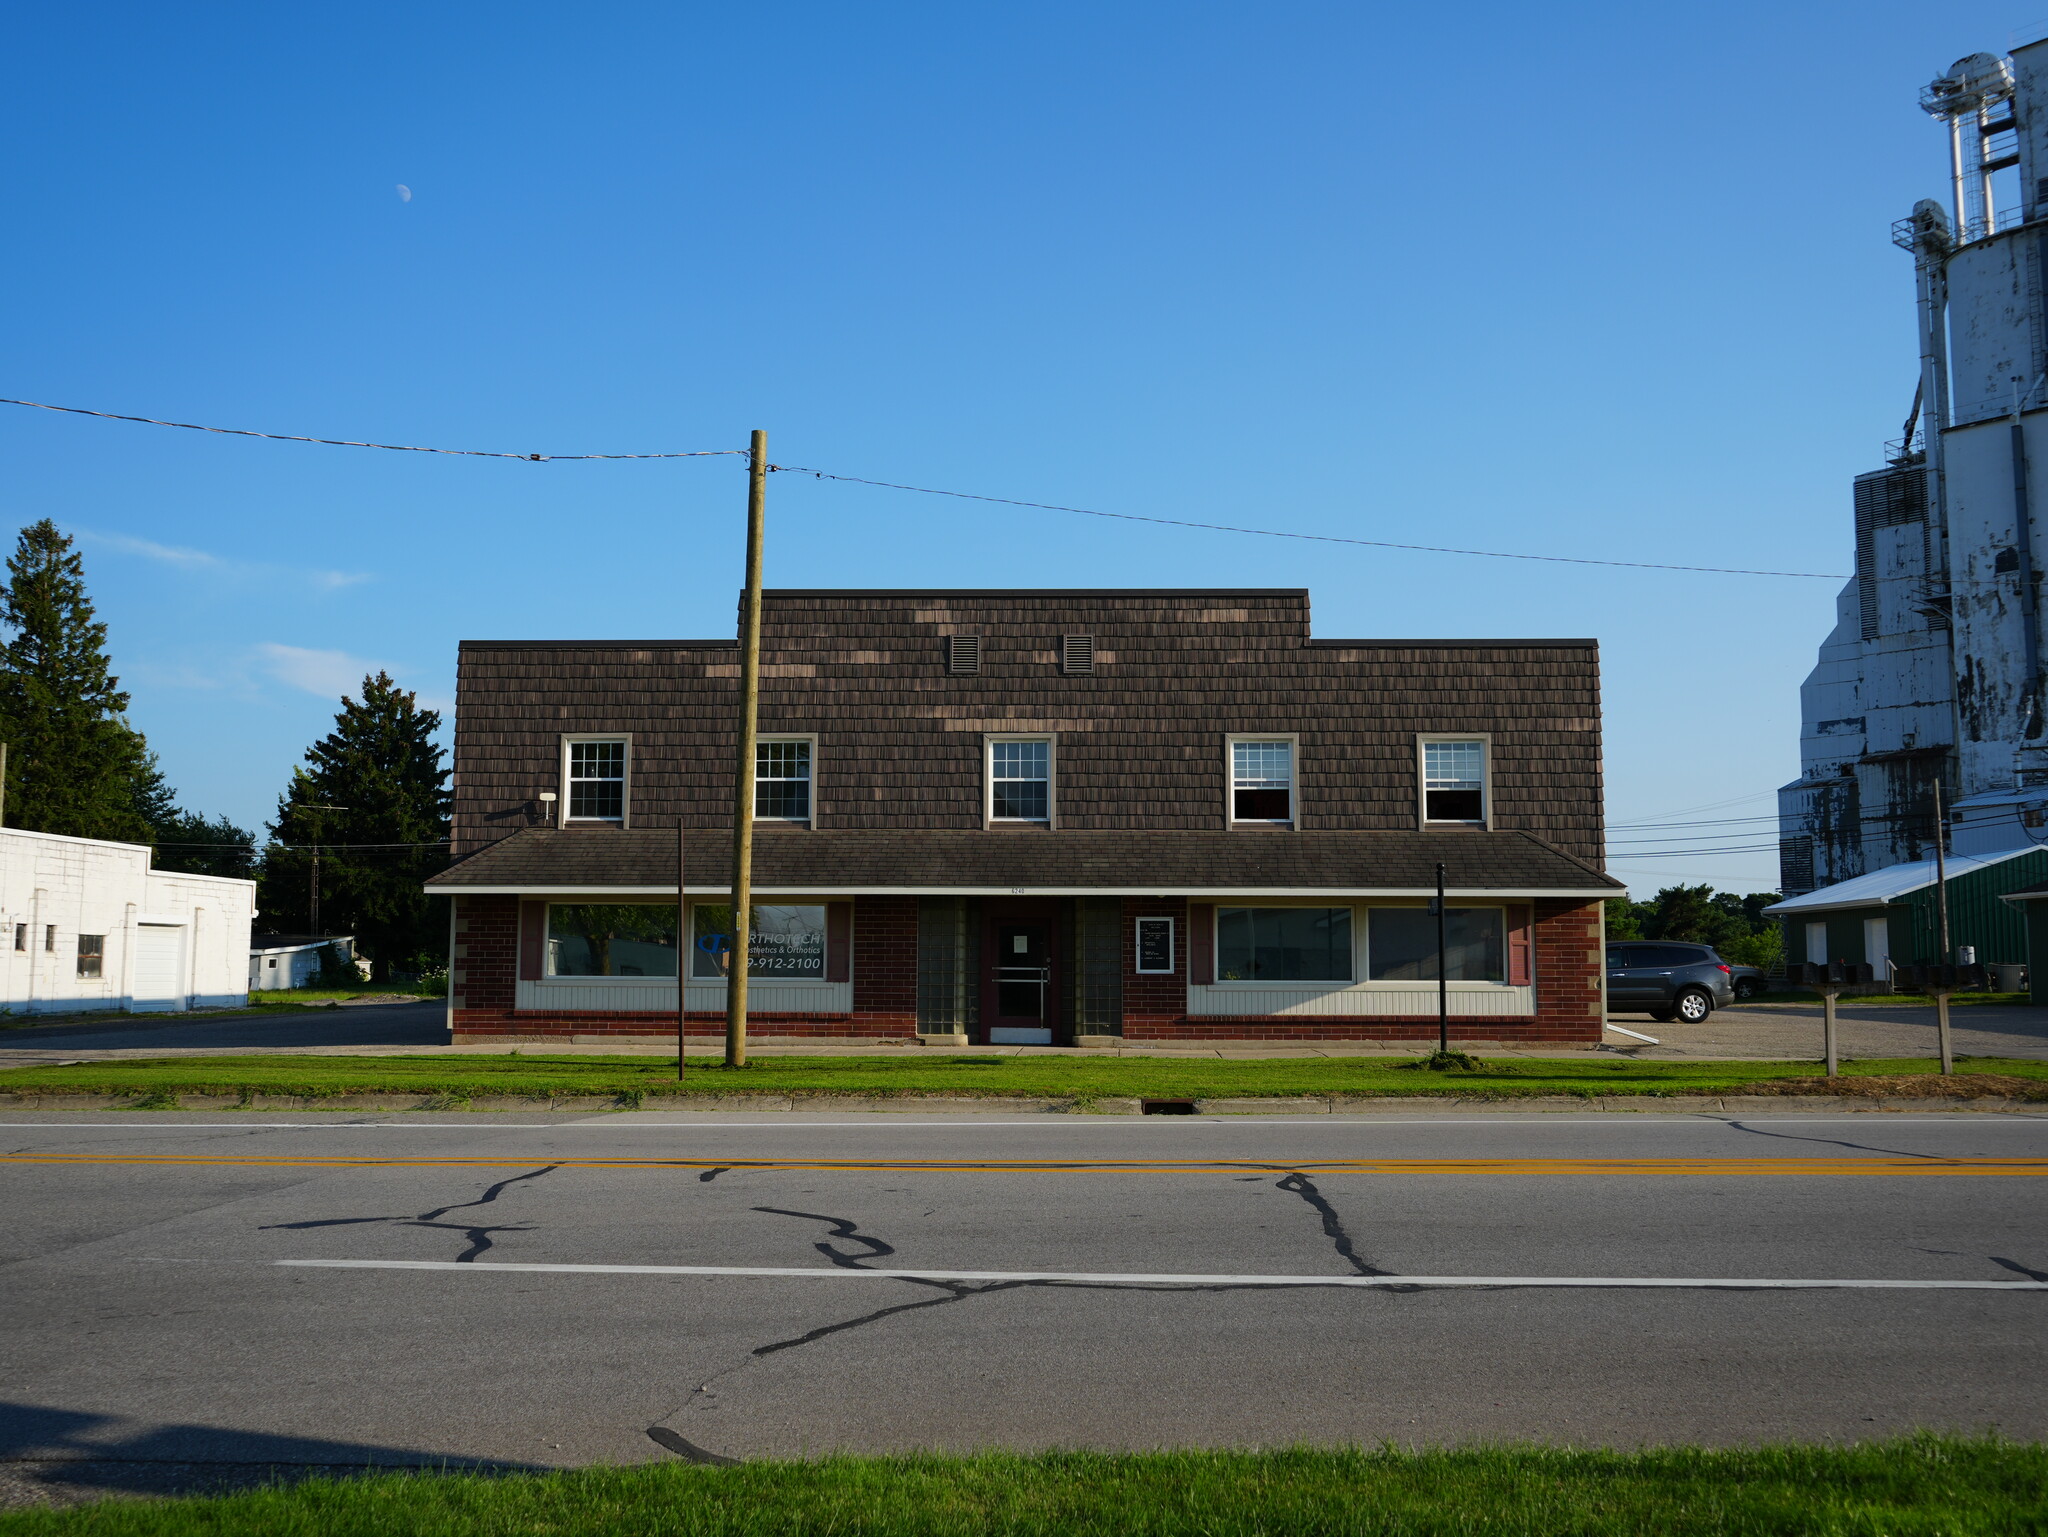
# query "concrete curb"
(884, 1104)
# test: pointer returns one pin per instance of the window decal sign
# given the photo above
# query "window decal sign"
(1155, 947)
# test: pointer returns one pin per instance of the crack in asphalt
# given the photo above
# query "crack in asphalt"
(2013, 1264)
(710, 1174)
(479, 1235)
(1333, 1225)
(1793, 1136)
(841, 1228)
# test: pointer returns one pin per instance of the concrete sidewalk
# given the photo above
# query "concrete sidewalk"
(1758, 1032)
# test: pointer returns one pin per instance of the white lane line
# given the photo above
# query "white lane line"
(782, 1122)
(1120, 1278)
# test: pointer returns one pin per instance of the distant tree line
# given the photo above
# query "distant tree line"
(371, 798)
(1735, 926)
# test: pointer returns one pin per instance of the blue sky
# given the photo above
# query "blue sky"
(1596, 280)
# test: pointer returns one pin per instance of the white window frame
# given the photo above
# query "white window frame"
(625, 739)
(1293, 741)
(1485, 741)
(988, 778)
(1138, 966)
(810, 737)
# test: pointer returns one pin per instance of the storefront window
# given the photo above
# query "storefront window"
(611, 939)
(1283, 944)
(1401, 944)
(784, 942)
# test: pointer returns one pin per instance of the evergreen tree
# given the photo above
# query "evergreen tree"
(381, 767)
(192, 844)
(73, 764)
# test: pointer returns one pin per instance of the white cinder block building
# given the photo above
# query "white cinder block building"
(87, 925)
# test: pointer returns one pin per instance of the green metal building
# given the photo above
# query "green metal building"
(1893, 915)
(2032, 903)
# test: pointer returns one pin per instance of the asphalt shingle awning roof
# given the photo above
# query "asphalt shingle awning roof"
(541, 860)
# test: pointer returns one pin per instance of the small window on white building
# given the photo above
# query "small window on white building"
(91, 952)
(782, 780)
(1454, 781)
(597, 781)
(1262, 781)
(21, 936)
(1020, 780)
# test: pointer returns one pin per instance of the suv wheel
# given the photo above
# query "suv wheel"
(1747, 987)
(1692, 1006)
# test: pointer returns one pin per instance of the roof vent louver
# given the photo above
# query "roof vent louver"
(1077, 654)
(963, 654)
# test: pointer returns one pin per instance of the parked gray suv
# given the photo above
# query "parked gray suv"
(1666, 981)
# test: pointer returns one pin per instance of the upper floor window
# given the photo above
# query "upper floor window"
(1454, 779)
(1262, 781)
(597, 781)
(782, 779)
(1020, 779)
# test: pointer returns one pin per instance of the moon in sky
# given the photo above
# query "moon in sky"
(404, 193)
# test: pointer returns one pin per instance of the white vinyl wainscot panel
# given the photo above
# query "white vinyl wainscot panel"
(655, 995)
(1466, 999)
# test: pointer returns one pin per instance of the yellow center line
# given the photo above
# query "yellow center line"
(1724, 1168)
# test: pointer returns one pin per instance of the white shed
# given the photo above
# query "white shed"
(293, 960)
(86, 924)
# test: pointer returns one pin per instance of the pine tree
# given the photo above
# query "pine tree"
(381, 767)
(73, 764)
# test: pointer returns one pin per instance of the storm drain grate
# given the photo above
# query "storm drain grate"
(1168, 1106)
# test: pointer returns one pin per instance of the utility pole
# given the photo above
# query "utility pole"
(3, 783)
(743, 776)
(313, 893)
(1941, 874)
(1443, 980)
(682, 929)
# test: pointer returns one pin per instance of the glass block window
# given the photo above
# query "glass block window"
(1020, 781)
(1454, 781)
(1262, 781)
(1283, 944)
(1401, 944)
(782, 780)
(597, 781)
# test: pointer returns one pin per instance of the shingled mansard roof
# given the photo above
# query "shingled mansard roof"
(642, 861)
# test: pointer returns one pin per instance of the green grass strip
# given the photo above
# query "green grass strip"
(458, 1078)
(1925, 1485)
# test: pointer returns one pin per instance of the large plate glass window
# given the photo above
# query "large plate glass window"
(786, 942)
(1454, 781)
(1283, 944)
(611, 939)
(1262, 781)
(597, 781)
(1401, 944)
(1020, 781)
(782, 780)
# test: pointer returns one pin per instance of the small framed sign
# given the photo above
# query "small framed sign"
(1155, 947)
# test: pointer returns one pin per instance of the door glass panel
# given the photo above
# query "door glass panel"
(1021, 971)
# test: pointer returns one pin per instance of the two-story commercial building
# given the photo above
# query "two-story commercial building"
(1033, 817)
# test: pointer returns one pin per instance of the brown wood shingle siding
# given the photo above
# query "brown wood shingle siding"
(1140, 739)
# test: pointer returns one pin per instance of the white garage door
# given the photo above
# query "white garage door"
(159, 967)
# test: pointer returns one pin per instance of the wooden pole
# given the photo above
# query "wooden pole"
(1948, 1053)
(1941, 876)
(1443, 981)
(3, 784)
(683, 933)
(743, 775)
(1827, 1030)
(683, 951)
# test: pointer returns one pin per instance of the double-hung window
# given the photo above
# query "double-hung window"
(597, 780)
(1020, 779)
(1454, 780)
(782, 779)
(1262, 779)
(92, 949)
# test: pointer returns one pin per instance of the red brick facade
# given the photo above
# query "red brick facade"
(1565, 971)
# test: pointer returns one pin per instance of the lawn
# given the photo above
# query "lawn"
(631, 1079)
(1915, 1488)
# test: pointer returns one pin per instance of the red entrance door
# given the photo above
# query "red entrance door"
(1020, 984)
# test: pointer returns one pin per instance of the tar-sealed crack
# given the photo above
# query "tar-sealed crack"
(479, 1235)
(1861, 1147)
(841, 1228)
(2013, 1264)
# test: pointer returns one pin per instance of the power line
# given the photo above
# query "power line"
(1274, 533)
(402, 448)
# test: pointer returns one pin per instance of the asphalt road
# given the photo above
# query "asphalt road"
(159, 1314)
